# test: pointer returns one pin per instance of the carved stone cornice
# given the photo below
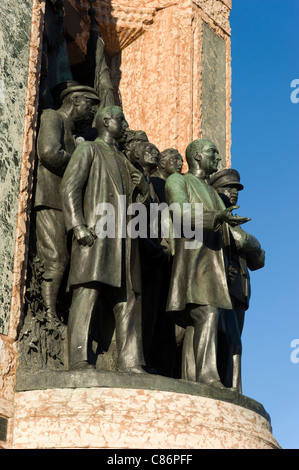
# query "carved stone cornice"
(120, 22)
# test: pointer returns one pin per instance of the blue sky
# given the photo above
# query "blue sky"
(265, 150)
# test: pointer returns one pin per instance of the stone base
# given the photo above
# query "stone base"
(134, 416)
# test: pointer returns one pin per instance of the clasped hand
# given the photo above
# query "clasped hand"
(84, 235)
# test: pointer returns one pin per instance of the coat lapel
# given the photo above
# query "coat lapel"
(206, 194)
(110, 155)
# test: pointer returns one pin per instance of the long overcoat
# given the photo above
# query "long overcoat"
(99, 173)
(199, 275)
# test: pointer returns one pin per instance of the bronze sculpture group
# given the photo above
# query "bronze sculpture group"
(172, 311)
(167, 309)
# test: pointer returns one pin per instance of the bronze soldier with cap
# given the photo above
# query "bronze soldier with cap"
(55, 145)
(245, 253)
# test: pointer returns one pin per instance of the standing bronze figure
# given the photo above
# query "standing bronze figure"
(55, 145)
(245, 254)
(198, 287)
(103, 268)
(164, 352)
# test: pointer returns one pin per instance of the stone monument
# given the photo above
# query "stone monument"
(84, 85)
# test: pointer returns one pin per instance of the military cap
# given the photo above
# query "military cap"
(226, 177)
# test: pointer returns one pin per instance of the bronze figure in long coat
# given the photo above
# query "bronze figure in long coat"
(198, 287)
(103, 268)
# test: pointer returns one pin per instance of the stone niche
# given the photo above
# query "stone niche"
(169, 63)
(170, 67)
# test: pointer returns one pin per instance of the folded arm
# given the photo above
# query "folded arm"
(50, 143)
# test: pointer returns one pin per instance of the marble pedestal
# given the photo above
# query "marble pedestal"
(122, 411)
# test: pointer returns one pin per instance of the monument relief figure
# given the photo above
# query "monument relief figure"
(145, 156)
(245, 253)
(163, 351)
(55, 145)
(133, 137)
(158, 329)
(170, 161)
(103, 268)
(198, 287)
